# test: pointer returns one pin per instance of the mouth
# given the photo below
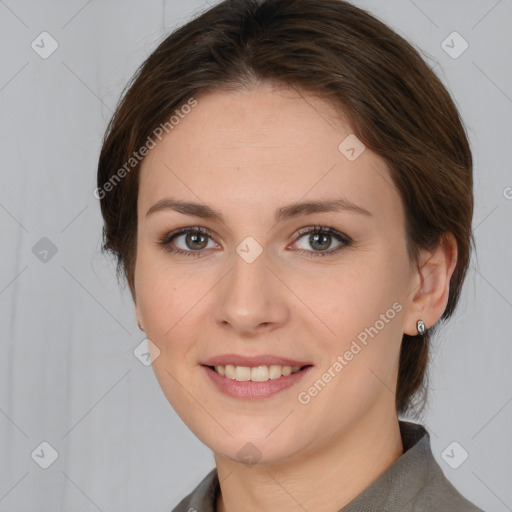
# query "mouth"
(256, 381)
(260, 373)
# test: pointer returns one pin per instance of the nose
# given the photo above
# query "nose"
(251, 299)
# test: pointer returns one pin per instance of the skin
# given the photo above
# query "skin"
(246, 153)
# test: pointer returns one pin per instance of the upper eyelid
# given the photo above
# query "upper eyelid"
(171, 235)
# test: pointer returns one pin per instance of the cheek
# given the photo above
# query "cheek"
(363, 353)
(363, 309)
(353, 300)
(163, 295)
(173, 302)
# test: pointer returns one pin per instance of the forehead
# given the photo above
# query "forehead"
(262, 146)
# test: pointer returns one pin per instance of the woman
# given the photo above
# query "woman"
(287, 187)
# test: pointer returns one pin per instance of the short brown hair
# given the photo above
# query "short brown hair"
(395, 103)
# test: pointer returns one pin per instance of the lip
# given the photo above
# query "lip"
(250, 390)
(264, 359)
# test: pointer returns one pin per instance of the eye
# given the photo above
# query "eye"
(321, 238)
(194, 240)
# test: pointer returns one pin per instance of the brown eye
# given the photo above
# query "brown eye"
(196, 241)
(320, 241)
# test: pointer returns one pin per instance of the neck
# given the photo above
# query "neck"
(323, 482)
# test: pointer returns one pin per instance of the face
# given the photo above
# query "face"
(258, 282)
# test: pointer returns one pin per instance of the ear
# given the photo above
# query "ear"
(138, 315)
(431, 285)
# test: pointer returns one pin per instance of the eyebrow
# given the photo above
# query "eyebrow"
(284, 213)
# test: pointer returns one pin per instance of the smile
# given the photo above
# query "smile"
(255, 382)
(260, 373)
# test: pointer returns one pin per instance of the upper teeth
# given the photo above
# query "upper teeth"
(256, 373)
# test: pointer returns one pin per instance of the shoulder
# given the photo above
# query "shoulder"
(203, 497)
(446, 497)
(437, 492)
(413, 483)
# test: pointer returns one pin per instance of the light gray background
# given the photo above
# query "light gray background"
(68, 375)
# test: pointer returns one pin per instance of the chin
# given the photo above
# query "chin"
(255, 452)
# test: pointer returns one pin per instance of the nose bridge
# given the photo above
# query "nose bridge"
(249, 296)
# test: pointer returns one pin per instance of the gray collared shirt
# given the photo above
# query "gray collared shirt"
(413, 483)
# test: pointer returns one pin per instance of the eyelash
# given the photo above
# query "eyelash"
(346, 241)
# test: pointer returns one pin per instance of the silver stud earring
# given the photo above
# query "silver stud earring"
(421, 327)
